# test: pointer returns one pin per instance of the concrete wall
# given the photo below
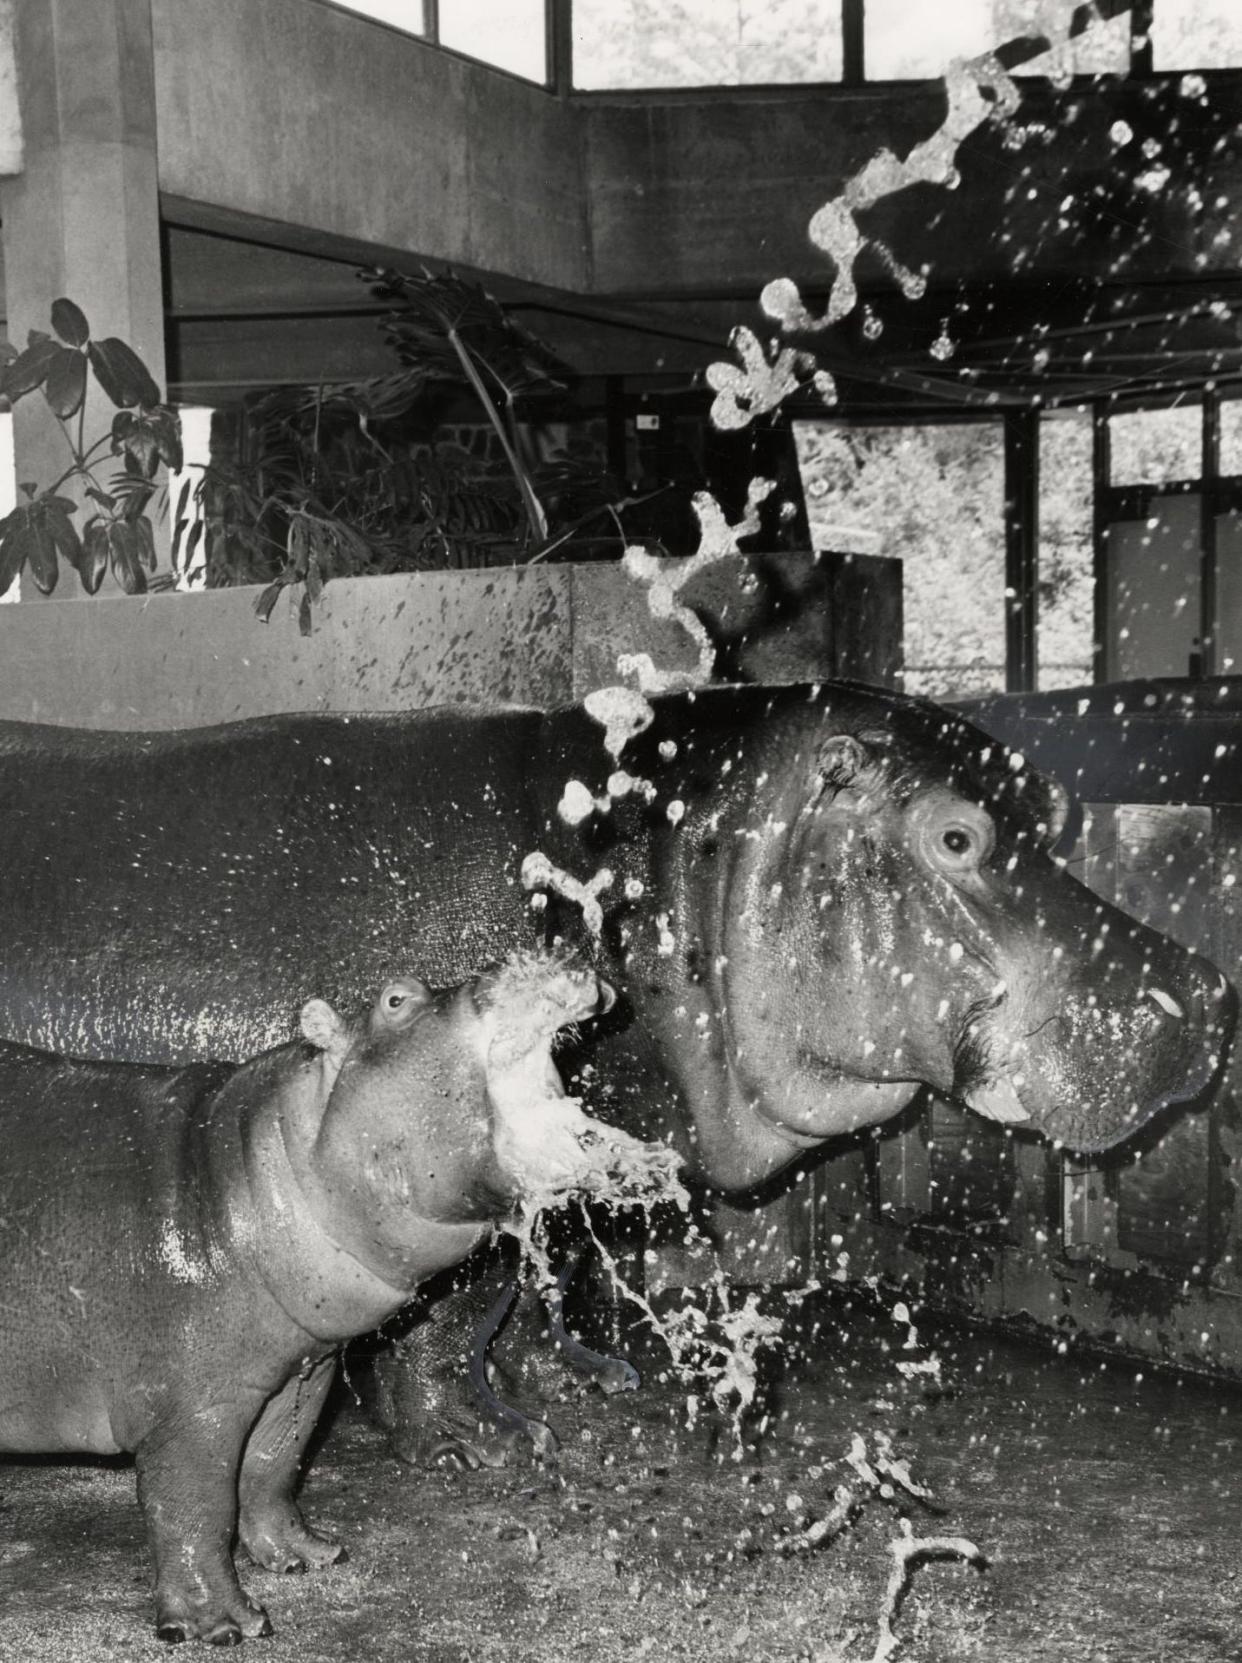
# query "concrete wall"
(294, 114)
(289, 111)
(691, 193)
(10, 122)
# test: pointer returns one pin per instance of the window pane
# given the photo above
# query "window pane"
(622, 44)
(1196, 34)
(512, 36)
(1103, 48)
(402, 14)
(1231, 436)
(195, 457)
(910, 40)
(1066, 557)
(934, 496)
(1152, 447)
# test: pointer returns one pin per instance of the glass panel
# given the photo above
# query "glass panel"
(1066, 556)
(909, 40)
(196, 454)
(621, 44)
(1103, 48)
(1152, 447)
(512, 36)
(1153, 600)
(402, 14)
(935, 496)
(1196, 34)
(1231, 436)
(1229, 592)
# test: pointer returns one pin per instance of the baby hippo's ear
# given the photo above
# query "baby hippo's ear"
(323, 1028)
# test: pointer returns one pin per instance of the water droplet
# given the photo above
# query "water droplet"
(944, 346)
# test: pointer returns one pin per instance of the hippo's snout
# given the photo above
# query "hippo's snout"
(1089, 1049)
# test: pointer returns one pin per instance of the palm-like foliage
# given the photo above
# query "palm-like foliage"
(358, 477)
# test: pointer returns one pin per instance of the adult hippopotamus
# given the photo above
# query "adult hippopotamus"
(821, 898)
(184, 1250)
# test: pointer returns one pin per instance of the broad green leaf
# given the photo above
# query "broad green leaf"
(42, 556)
(30, 368)
(70, 323)
(65, 386)
(14, 547)
(122, 374)
(166, 425)
(267, 600)
(144, 538)
(94, 562)
(126, 567)
(136, 501)
(64, 533)
(132, 438)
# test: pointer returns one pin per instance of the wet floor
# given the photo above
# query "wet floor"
(1108, 1506)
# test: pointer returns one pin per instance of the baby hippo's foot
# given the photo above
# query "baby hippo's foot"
(182, 1614)
(277, 1538)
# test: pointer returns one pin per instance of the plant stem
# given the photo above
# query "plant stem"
(79, 463)
(534, 508)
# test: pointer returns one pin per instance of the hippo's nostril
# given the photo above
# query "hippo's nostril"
(1168, 1004)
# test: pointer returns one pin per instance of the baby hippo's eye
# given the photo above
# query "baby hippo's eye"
(400, 1001)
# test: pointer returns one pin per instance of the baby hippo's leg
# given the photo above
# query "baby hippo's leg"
(271, 1528)
(187, 1488)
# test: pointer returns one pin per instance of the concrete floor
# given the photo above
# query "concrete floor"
(1106, 1504)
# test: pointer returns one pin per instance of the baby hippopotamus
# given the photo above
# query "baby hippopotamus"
(184, 1251)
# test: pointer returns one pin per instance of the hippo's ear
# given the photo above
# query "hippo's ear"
(846, 763)
(323, 1028)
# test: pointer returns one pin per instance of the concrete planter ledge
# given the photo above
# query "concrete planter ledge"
(540, 635)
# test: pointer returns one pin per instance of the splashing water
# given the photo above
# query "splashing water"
(977, 90)
(545, 1143)
(720, 1350)
(622, 713)
(552, 1151)
(763, 381)
(665, 579)
(538, 872)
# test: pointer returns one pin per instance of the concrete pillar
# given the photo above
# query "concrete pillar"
(82, 218)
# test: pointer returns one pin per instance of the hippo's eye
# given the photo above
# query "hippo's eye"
(400, 1002)
(961, 846)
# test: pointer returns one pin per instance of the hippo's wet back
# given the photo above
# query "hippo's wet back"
(859, 895)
